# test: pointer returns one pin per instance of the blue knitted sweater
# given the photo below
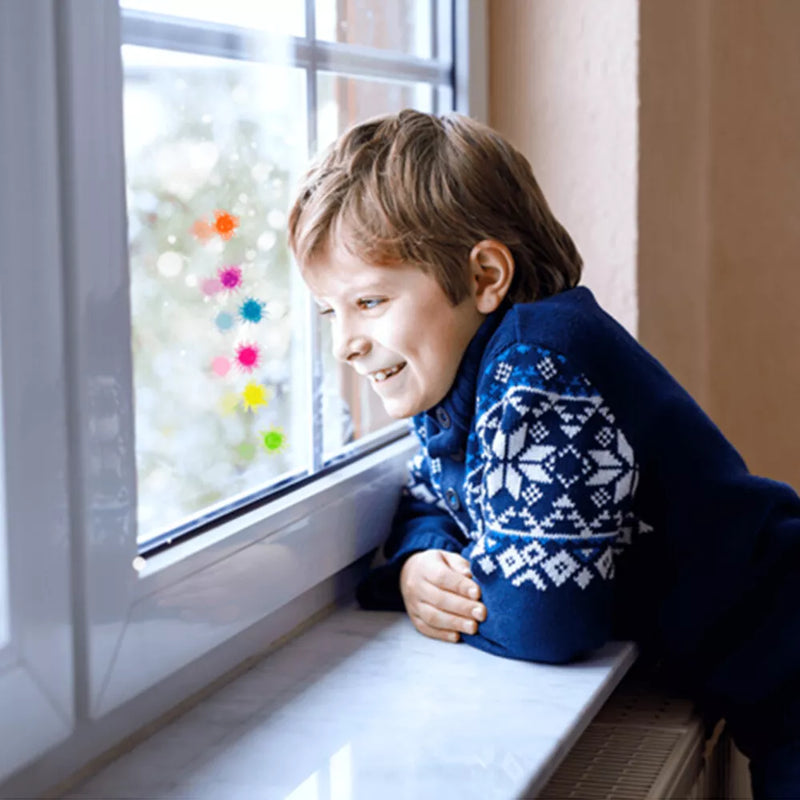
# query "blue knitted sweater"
(595, 499)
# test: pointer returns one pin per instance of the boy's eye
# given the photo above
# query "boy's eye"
(325, 312)
(370, 302)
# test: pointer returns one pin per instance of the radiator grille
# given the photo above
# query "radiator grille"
(643, 745)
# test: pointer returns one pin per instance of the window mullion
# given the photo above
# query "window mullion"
(315, 380)
(469, 57)
(315, 376)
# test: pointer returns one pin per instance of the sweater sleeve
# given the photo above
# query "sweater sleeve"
(552, 480)
(421, 522)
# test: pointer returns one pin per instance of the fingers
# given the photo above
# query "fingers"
(448, 571)
(453, 604)
(453, 579)
(435, 633)
(457, 562)
(442, 620)
(440, 596)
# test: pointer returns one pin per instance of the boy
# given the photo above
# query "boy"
(566, 490)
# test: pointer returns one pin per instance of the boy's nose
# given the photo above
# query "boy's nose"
(347, 347)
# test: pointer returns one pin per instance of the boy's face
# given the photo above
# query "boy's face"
(395, 325)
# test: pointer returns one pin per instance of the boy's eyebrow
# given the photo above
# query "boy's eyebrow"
(383, 281)
(374, 286)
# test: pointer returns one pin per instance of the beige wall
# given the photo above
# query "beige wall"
(674, 168)
(568, 101)
(755, 209)
(714, 175)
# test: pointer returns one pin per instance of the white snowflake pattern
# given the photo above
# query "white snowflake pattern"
(532, 576)
(583, 578)
(539, 432)
(503, 372)
(510, 561)
(514, 464)
(601, 498)
(560, 567)
(532, 494)
(541, 477)
(605, 436)
(487, 565)
(547, 369)
(605, 564)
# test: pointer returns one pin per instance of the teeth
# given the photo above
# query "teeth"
(383, 374)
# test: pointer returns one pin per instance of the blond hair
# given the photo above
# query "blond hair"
(417, 188)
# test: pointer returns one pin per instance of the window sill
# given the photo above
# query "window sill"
(200, 594)
(361, 705)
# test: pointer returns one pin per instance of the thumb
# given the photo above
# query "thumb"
(457, 562)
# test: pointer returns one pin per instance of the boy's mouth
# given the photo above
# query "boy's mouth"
(382, 375)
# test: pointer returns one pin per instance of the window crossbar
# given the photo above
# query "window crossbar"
(166, 32)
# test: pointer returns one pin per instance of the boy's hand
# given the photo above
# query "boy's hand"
(440, 596)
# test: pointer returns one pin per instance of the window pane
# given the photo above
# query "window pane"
(402, 25)
(344, 101)
(351, 409)
(275, 16)
(213, 149)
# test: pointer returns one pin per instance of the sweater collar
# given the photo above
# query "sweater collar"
(447, 424)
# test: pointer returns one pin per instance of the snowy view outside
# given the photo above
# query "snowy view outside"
(214, 148)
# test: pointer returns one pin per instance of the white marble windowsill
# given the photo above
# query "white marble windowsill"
(361, 706)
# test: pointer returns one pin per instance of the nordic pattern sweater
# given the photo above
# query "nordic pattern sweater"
(595, 499)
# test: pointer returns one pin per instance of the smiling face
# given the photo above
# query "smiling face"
(394, 325)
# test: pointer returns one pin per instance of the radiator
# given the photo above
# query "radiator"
(646, 745)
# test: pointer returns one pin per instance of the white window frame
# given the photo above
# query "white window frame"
(130, 630)
(36, 662)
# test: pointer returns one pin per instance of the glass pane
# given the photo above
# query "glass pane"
(343, 101)
(275, 16)
(213, 149)
(402, 25)
(351, 409)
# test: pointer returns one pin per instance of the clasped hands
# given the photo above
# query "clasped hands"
(441, 598)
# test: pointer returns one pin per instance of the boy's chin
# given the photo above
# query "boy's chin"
(396, 409)
(396, 412)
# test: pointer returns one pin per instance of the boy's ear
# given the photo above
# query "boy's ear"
(491, 268)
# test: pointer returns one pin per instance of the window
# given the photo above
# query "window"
(92, 284)
(4, 616)
(236, 394)
(36, 650)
